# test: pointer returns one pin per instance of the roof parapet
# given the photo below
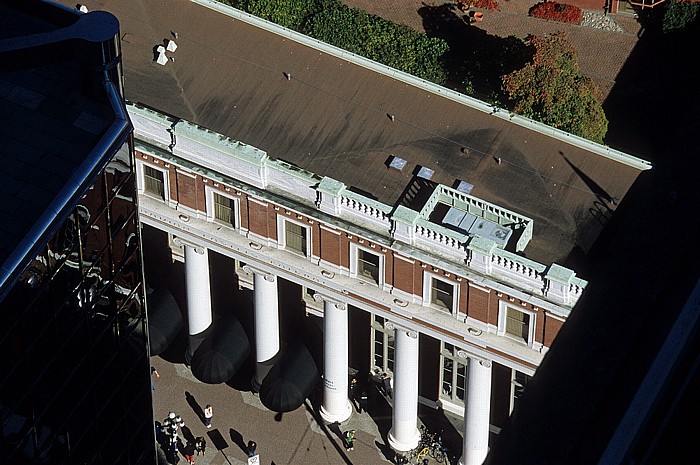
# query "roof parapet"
(222, 156)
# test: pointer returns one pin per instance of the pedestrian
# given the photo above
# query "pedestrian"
(200, 445)
(353, 387)
(349, 439)
(362, 402)
(387, 385)
(189, 454)
(252, 449)
(208, 414)
(154, 372)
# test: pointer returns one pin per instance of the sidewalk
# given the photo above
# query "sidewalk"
(298, 437)
(601, 53)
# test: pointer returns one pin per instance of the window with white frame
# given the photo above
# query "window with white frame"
(453, 374)
(154, 182)
(382, 346)
(368, 265)
(440, 293)
(223, 208)
(296, 238)
(518, 383)
(516, 323)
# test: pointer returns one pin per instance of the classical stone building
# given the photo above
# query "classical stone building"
(432, 237)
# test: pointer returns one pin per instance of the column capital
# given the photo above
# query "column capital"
(413, 334)
(484, 362)
(180, 242)
(324, 298)
(266, 275)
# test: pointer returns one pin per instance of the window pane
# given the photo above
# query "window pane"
(153, 181)
(224, 209)
(390, 352)
(449, 348)
(517, 323)
(378, 349)
(295, 237)
(520, 381)
(442, 293)
(447, 377)
(368, 265)
(461, 381)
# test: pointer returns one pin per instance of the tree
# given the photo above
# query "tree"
(679, 14)
(551, 89)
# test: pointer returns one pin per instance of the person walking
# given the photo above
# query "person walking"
(155, 373)
(208, 414)
(170, 426)
(189, 454)
(200, 445)
(387, 384)
(252, 449)
(349, 440)
(362, 402)
(353, 387)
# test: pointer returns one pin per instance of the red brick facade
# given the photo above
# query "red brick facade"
(333, 246)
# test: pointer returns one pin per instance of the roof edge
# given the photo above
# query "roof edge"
(578, 141)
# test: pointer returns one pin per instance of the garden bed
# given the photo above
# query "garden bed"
(553, 11)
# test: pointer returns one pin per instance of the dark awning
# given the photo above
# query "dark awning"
(291, 380)
(222, 352)
(164, 320)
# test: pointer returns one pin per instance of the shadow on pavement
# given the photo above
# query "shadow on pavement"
(237, 439)
(217, 439)
(327, 432)
(196, 408)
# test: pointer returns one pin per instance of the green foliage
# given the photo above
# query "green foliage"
(679, 15)
(358, 32)
(552, 90)
(288, 13)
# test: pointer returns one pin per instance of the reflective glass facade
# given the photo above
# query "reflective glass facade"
(76, 385)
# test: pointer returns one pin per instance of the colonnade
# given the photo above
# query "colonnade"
(336, 407)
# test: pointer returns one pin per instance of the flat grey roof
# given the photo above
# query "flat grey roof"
(331, 119)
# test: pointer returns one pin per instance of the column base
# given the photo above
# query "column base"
(475, 457)
(340, 417)
(193, 343)
(261, 371)
(406, 444)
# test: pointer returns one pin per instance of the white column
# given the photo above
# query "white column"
(404, 434)
(476, 413)
(198, 291)
(336, 405)
(267, 327)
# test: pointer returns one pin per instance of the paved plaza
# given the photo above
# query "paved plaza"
(298, 437)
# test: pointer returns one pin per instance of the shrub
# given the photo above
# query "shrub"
(287, 13)
(358, 32)
(554, 11)
(491, 5)
(679, 14)
(552, 90)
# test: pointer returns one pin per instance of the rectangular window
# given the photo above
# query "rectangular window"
(518, 384)
(153, 181)
(447, 377)
(224, 209)
(441, 293)
(454, 374)
(518, 324)
(368, 265)
(383, 346)
(295, 237)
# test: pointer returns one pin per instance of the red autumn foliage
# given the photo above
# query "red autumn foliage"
(554, 11)
(491, 5)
